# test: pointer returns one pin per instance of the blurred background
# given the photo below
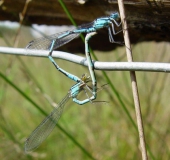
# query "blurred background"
(102, 131)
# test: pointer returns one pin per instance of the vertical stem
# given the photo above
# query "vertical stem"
(134, 82)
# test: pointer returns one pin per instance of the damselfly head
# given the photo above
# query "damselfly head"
(115, 15)
(85, 78)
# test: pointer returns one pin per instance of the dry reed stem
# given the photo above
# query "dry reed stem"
(134, 82)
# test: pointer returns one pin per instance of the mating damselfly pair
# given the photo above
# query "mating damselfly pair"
(55, 41)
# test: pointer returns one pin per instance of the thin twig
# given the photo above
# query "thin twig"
(134, 82)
